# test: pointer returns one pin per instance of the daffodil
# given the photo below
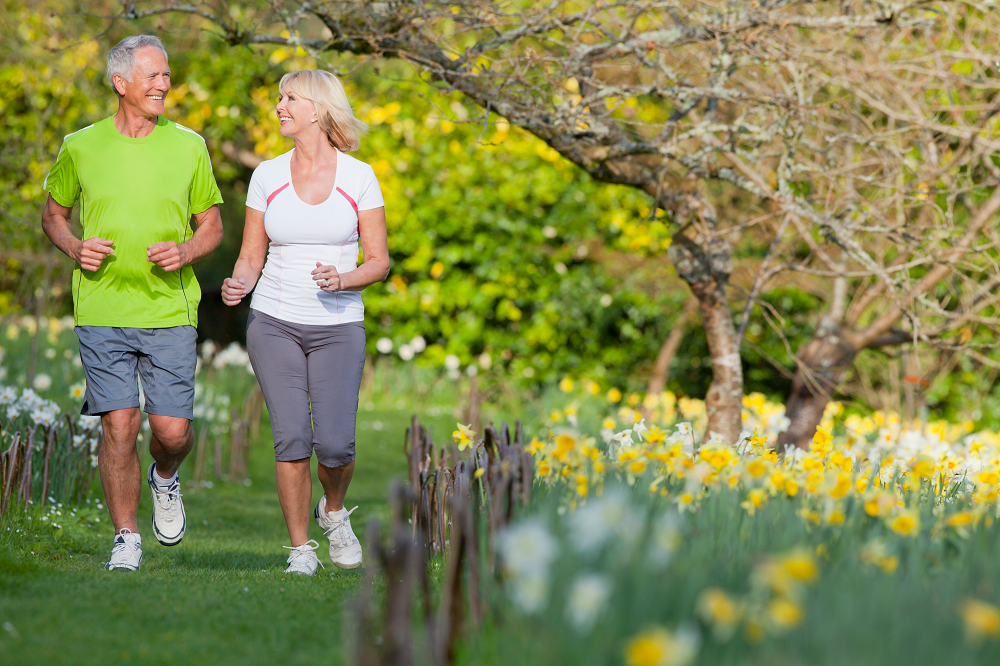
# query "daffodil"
(464, 436)
(982, 619)
(905, 522)
(660, 647)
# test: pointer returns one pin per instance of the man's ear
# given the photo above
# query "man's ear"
(119, 84)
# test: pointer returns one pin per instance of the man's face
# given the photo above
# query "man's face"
(150, 82)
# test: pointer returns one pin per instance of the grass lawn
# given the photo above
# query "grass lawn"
(220, 597)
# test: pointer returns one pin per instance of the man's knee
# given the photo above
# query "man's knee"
(121, 425)
(171, 432)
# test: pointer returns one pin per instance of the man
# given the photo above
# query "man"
(139, 178)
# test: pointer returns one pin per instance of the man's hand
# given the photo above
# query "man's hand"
(168, 255)
(92, 251)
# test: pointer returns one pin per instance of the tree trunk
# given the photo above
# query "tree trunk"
(823, 364)
(829, 354)
(705, 265)
(661, 370)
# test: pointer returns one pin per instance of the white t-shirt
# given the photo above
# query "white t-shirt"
(301, 235)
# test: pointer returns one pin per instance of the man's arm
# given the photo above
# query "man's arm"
(170, 256)
(88, 253)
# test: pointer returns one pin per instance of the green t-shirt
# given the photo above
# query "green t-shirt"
(135, 192)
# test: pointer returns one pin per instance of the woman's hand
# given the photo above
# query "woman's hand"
(327, 277)
(234, 290)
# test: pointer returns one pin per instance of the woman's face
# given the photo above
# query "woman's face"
(295, 113)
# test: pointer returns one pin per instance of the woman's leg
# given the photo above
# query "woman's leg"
(335, 481)
(278, 360)
(295, 496)
(336, 359)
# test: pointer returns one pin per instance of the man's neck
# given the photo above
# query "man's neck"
(133, 125)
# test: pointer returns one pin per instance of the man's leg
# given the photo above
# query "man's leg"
(118, 462)
(171, 441)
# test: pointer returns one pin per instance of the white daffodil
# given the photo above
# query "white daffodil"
(527, 547)
(586, 599)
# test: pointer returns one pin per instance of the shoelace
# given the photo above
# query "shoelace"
(344, 537)
(121, 547)
(167, 498)
(303, 551)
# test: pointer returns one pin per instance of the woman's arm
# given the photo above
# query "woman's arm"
(375, 243)
(253, 254)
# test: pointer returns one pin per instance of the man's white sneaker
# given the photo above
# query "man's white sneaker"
(303, 558)
(127, 551)
(345, 549)
(169, 521)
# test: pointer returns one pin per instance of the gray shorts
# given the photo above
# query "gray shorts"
(165, 359)
(310, 377)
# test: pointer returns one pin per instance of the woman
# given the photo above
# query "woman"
(306, 212)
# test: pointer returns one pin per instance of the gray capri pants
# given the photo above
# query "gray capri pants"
(301, 366)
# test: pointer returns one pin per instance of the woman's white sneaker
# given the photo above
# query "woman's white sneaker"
(345, 549)
(303, 558)
(127, 551)
(169, 520)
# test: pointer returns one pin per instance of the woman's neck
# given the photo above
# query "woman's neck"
(314, 150)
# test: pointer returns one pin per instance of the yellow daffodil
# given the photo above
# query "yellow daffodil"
(982, 619)
(659, 647)
(464, 436)
(783, 613)
(905, 523)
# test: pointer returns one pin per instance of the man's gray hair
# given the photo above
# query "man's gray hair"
(121, 57)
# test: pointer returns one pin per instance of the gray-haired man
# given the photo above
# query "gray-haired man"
(139, 178)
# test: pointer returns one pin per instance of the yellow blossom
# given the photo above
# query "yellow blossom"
(842, 487)
(960, 519)
(659, 647)
(905, 523)
(801, 566)
(822, 437)
(716, 607)
(614, 395)
(463, 436)
(566, 385)
(982, 619)
(784, 613)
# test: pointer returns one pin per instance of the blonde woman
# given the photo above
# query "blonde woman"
(307, 211)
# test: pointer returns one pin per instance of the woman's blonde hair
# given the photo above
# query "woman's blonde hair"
(333, 111)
